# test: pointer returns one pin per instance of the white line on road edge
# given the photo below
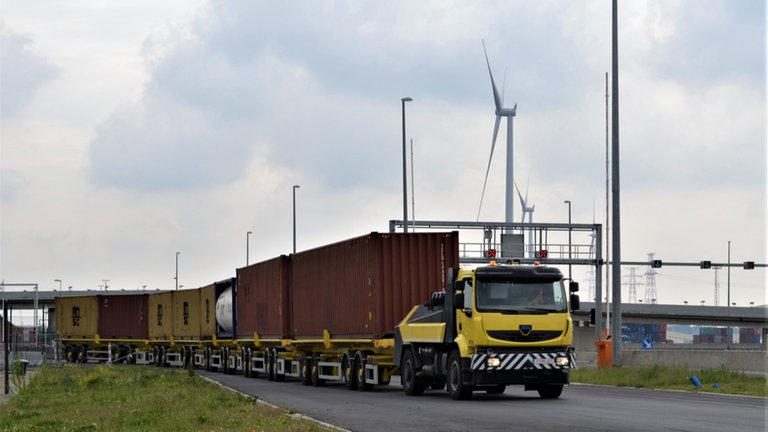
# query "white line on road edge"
(259, 400)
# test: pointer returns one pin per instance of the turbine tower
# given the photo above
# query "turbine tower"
(529, 211)
(500, 112)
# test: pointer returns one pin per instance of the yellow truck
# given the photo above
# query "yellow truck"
(492, 326)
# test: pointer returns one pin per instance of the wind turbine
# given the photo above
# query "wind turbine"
(509, 113)
(529, 211)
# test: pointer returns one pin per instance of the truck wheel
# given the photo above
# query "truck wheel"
(348, 375)
(456, 388)
(412, 384)
(550, 391)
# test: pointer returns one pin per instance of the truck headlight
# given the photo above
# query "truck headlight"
(562, 361)
(493, 362)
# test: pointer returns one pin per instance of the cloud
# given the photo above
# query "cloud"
(21, 70)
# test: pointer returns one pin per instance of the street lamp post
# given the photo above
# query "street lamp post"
(570, 276)
(247, 247)
(177, 270)
(294, 216)
(405, 175)
(59, 281)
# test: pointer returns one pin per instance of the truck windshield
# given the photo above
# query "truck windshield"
(527, 296)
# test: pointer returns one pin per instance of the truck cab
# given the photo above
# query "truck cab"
(492, 326)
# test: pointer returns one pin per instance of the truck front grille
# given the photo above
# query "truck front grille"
(533, 336)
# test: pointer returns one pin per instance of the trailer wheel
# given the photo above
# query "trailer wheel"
(69, 353)
(82, 354)
(244, 354)
(279, 377)
(115, 352)
(315, 368)
(360, 372)
(305, 369)
(550, 391)
(456, 388)
(348, 375)
(270, 364)
(412, 384)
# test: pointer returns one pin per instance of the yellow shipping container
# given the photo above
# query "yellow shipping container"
(208, 311)
(161, 315)
(186, 314)
(77, 317)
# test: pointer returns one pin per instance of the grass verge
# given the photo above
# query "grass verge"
(130, 398)
(674, 378)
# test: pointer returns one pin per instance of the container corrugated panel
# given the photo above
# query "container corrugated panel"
(160, 315)
(186, 314)
(363, 287)
(263, 299)
(208, 311)
(123, 316)
(77, 317)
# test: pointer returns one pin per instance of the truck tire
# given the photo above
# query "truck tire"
(456, 388)
(412, 384)
(348, 375)
(550, 391)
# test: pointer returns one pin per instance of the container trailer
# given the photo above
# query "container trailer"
(345, 312)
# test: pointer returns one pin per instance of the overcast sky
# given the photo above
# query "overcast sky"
(133, 130)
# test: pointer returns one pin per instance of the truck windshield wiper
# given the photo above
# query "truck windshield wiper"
(539, 310)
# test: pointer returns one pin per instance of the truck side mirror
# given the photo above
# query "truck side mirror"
(574, 286)
(458, 300)
(575, 302)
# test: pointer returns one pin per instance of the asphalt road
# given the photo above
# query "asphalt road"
(580, 408)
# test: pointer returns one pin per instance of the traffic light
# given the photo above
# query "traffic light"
(592, 316)
(491, 253)
(705, 264)
(656, 263)
(543, 254)
(749, 265)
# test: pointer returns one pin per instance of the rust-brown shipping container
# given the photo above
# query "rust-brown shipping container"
(123, 316)
(363, 287)
(77, 317)
(186, 314)
(263, 299)
(160, 315)
(111, 316)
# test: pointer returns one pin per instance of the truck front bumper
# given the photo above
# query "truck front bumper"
(522, 367)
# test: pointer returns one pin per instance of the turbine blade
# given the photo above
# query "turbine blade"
(490, 159)
(496, 96)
